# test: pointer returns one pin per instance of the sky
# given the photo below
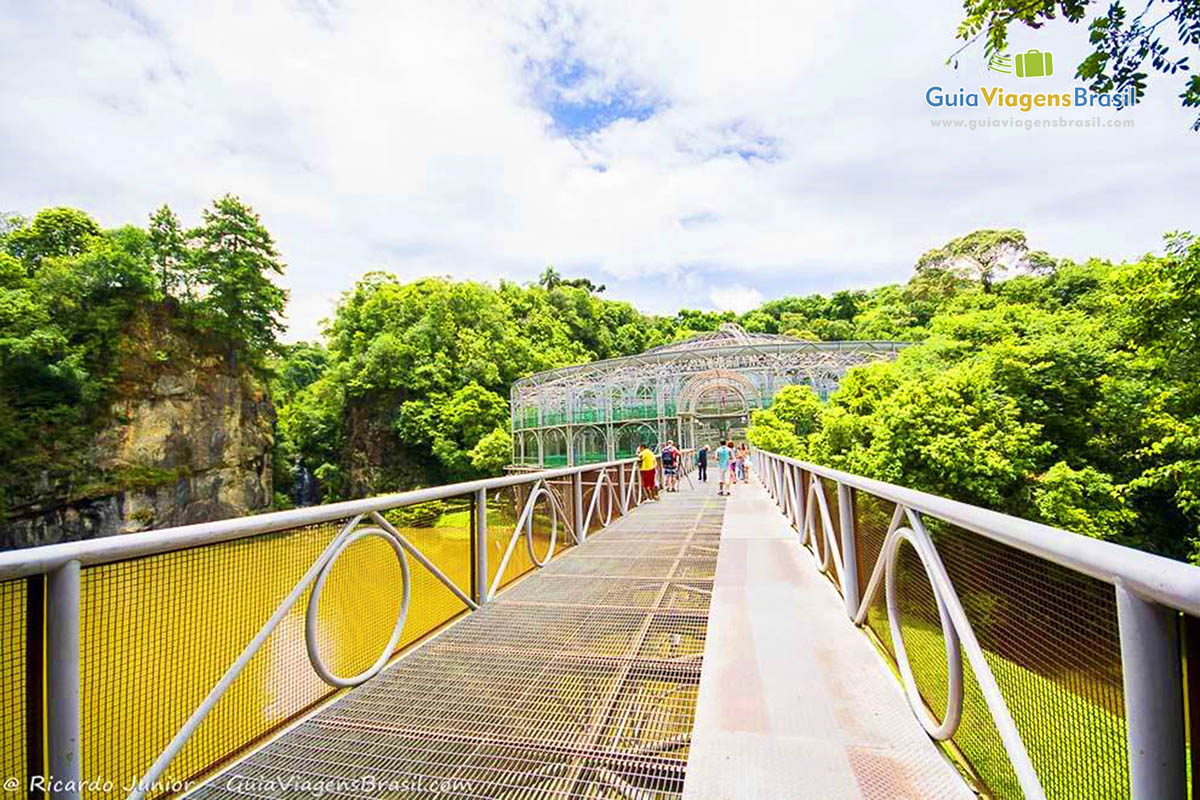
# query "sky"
(685, 154)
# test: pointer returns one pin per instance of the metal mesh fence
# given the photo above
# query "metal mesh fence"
(159, 632)
(1050, 638)
(13, 755)
(578, 682)
(504, 507)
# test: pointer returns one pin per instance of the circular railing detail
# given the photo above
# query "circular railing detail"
(606, 518)
(954, 692)
(819, 519)
(314, 599)
(537, 494)
(596, 505)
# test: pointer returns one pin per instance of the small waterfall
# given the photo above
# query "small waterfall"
(304, 486)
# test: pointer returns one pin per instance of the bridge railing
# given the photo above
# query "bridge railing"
(137, 664)
(1050, 664)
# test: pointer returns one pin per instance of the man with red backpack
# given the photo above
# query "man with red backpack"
(670, 464)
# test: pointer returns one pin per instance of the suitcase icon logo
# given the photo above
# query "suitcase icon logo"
(1034, 64)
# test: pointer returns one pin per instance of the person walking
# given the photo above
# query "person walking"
(670, 465)
(702, 463)
(739, 459)
(724, 467)
(647, 464)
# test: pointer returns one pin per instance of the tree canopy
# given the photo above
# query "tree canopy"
(1058, 391)
(1065, 394)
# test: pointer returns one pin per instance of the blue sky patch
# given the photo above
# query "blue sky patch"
(577, 108)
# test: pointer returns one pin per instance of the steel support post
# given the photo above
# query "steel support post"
(801, 499)
(621, 490)
(62, 680)
(479, 548)
(1151, 666)
(849, 564)
(794, 474)
(577, 504)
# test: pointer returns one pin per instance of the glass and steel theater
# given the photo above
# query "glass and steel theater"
(695, 392)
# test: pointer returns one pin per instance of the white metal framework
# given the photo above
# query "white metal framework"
(694, 392)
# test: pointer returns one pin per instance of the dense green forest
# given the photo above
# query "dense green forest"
(411, 385)
(1066, 394)
(1058, 391)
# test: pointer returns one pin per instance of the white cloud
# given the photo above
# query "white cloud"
(414, 137)
(735, 298)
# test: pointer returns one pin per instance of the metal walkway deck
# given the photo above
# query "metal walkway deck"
(584, 680)
(579, 681)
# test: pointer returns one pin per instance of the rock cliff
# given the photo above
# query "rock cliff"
(188, 439)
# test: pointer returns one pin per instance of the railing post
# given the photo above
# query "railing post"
(849, 549)
(1150, 664)
(479, 549)
(62, 679)
(621, 490)
(577, 503)
(802, 499)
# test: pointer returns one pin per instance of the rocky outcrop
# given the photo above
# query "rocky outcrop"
(184, 444)
(375, 459)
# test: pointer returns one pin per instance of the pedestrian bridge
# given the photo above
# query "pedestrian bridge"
(553, 634)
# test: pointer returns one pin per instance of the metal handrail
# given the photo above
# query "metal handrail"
(1150, 592)
(1154, 577)
(62, 563)
(47, 558)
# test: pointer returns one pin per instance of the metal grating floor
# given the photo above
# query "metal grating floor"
(579, 681)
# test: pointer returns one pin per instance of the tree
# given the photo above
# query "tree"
(68, 291)
(1160, 298)
(53, 232)
(10, 222)
(758, 321)
(300, 365)
(171, 255)
(799, 407)
(235, 257)
(1082, 501)
(583, 283)
(492, 452)
(768, 432)
(550, 278)
(983, 256)
(1122, 43)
